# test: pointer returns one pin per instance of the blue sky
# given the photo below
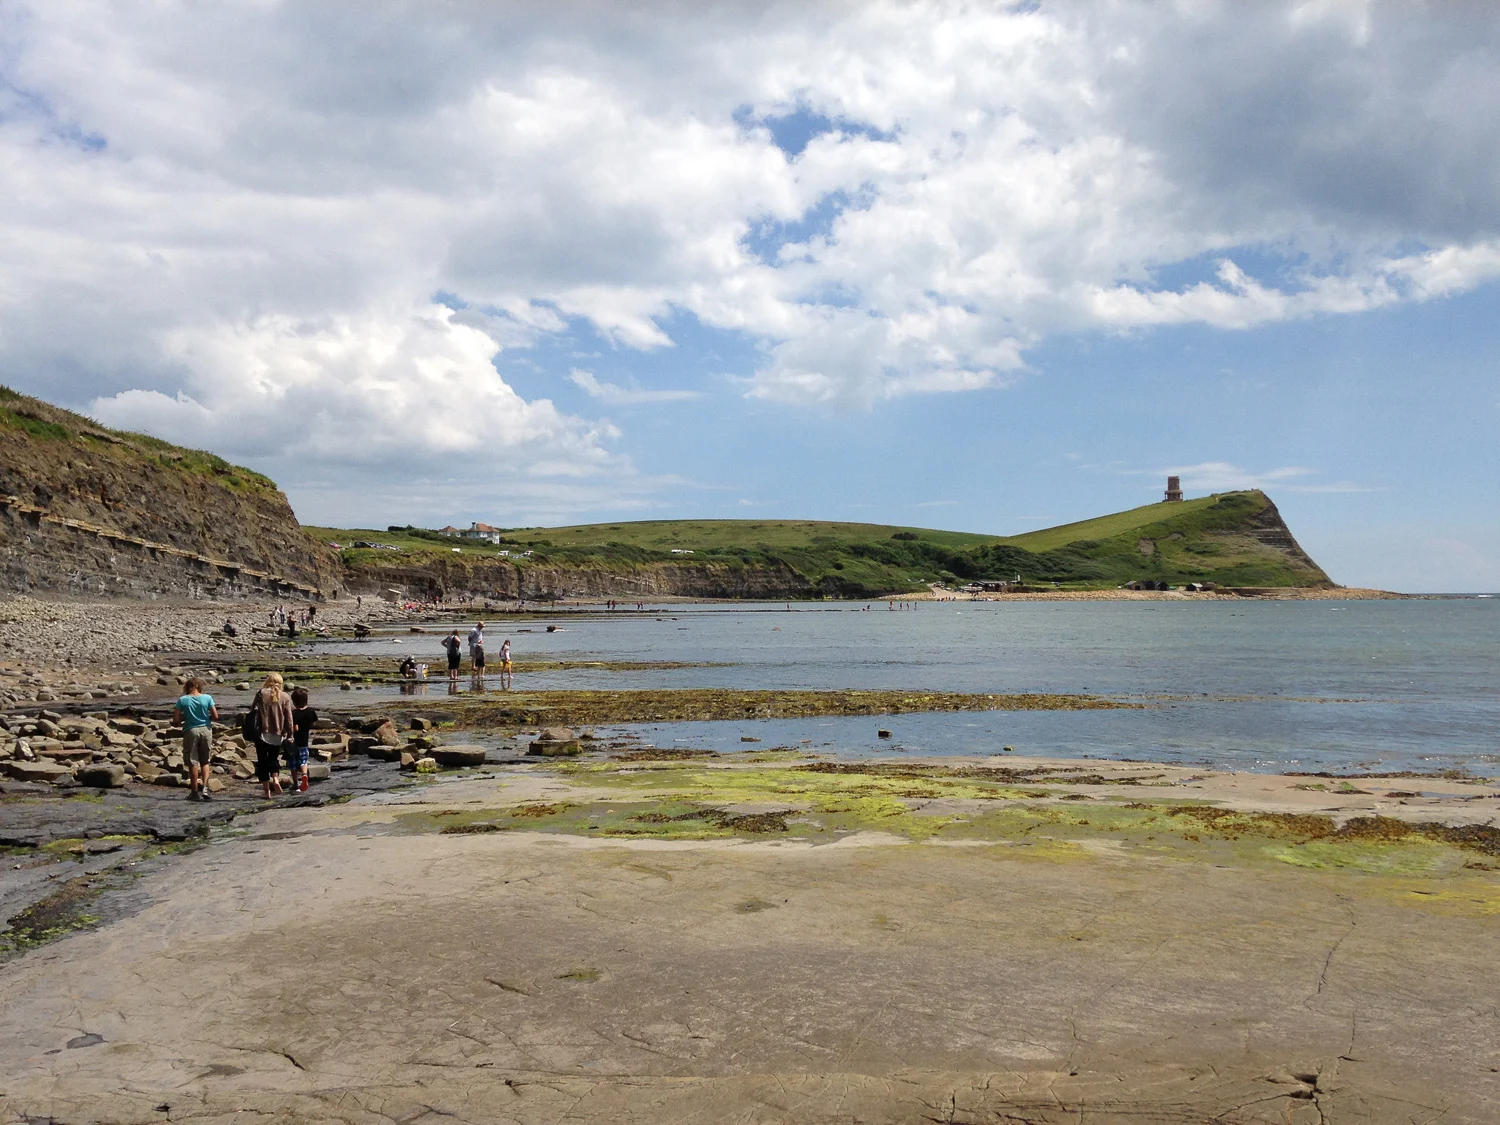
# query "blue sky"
(956, 265)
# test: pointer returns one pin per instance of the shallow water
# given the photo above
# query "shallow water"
(1254, 685)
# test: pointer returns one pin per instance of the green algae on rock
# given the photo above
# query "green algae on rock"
(568, 708)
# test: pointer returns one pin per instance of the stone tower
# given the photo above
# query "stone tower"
(1174, 488)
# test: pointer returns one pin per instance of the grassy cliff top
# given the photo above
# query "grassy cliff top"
(1232, 539)
(50, 426)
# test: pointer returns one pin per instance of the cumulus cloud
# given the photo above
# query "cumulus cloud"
(217, 213)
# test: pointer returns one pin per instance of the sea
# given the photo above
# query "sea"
(1278, 686)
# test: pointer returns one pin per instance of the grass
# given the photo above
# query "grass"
(41, 421)
(1218, 539)
(1107, 527)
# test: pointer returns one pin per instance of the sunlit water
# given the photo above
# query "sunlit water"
(1315, 685)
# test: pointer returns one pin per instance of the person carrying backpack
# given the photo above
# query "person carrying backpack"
(274, 727)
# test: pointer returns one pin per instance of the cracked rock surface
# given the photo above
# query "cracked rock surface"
(300, 973)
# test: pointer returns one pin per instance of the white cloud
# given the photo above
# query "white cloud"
(624, 396)
(1221, 476)
(399, 396)
(212, 211)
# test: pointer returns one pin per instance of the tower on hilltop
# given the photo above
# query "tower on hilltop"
(1174, 488)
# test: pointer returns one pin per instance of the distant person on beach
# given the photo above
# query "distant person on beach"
(303, 718)
(476, 658)
(229, 629)
(454, 648)
(197, 714)
(476, 639)
(505, 664)
(275, 729)
(408, 669)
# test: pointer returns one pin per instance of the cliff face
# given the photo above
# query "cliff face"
(88, 510)
(502, 580)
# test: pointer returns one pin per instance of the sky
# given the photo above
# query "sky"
(986, 267)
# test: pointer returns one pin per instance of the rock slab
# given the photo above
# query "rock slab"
(453, 756)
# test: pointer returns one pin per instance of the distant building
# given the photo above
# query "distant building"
(481, 531)
(1174, 488)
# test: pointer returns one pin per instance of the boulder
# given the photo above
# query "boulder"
(386, 734)
(35, 771)
(549, 749)
(458, 755)
(128, 726)
(556, 734)
(426, 765)
(318, 771)
(147, 772)
(101, 777)
(419, 723)
(408, 761)
(167, 778)
(66, 753)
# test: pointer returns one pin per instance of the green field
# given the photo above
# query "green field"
(1232, 539)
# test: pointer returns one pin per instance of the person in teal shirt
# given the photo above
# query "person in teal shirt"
(197, 714)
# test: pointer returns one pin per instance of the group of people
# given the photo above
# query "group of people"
(278, 723)
(477, 659)
(283, 615)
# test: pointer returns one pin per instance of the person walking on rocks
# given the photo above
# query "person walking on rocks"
(276, 728)
(454, 648)
(505, 665)
(197, 714)
(303, 718)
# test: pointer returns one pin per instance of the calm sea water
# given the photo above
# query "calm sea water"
(1386, 685)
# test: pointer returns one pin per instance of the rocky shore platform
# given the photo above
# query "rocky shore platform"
(644, 935)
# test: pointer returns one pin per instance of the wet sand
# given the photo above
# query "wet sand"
(636, 940)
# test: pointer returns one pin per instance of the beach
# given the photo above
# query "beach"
(1077, 951)
(647, 928)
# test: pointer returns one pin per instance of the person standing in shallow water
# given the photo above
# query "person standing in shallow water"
(273, 709)
(476, 639)
(454, 647)
(476, 656)
(197, 714)
(505, 665)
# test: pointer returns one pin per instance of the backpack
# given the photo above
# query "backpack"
(250, 724)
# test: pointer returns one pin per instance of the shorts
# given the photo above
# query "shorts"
(479, 658)
(267, 761)
(505, 665)
(296, 757)
(197, 744)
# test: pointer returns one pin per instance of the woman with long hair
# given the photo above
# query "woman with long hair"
(275, 728)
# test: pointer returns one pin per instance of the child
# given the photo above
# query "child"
(303, 718)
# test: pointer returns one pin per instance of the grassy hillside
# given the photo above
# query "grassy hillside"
(1233, 539)
(71, 467)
